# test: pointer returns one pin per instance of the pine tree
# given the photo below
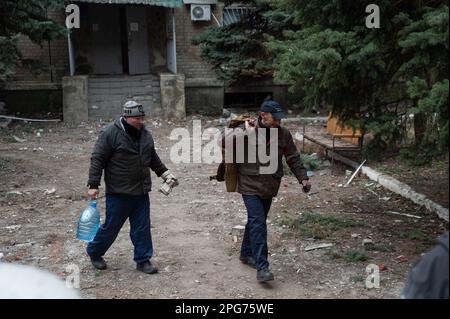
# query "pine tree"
(29, 18)
(237, 51)
(373, 77)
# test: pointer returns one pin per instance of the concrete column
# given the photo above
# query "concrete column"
(75, 99)
(173, 96)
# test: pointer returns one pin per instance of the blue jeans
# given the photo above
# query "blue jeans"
(118, 209)
(254, 242)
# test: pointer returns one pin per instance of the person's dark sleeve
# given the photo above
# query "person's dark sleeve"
(221, 139)
(428, 279)
(100, 156)
(156, 164)
(293, 160)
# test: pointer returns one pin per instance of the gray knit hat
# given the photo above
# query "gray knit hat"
(133, 109)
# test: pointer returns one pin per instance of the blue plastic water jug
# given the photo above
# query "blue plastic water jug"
(89, 222)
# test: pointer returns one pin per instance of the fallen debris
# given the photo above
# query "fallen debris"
(31, 243)
(402, 214)
(14, 193)
(26, 207)
(13, 227)
(18, 139)
(319, 246)
(26, 120)
(50, 191)
(355, 173)
(238, 230)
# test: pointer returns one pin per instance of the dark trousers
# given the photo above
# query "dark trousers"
(118, 209)
(254, 242)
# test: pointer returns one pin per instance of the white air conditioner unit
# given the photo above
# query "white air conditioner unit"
(200, 12)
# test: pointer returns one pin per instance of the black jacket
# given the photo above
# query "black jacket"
(126, 163)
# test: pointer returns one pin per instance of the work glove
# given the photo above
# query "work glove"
(169, 178)
(170, 181)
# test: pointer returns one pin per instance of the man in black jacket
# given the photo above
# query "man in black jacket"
(125, 150)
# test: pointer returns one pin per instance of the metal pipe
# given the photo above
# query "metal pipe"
(71, 53)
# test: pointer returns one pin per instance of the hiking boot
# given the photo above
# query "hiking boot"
(264, 275)
(147, 267)
(248, 260)
(98, 262)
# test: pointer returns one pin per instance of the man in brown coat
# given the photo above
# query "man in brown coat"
(257, 182)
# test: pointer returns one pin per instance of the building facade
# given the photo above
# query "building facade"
(128, 49)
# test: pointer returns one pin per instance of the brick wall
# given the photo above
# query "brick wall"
(189, 61)
(57, 50)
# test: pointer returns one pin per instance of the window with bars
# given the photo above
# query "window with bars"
(234, 14)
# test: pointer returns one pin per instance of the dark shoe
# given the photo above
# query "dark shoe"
(147, 268)
(248, 260)
(264, 275)
(99, 263)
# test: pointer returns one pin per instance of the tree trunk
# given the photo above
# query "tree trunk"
(419, 127)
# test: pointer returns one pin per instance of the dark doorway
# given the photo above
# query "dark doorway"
(105, 49)
(246, 100)
(124, 39)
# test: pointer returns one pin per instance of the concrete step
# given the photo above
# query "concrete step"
(124, 79)
(107, 95)
(125, 83)
(114, 109)
(131, 91)
(123, 98)
(118, 85)
(116, 104)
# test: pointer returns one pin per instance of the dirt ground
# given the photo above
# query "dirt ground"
(431, 180)
(195, 247)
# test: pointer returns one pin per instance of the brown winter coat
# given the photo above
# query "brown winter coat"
(250, 181)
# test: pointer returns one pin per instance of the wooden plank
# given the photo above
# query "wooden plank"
(348, 134)
(316, 141)
(344, 160)
(328, 143)
(352, 135)
(331, 125)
